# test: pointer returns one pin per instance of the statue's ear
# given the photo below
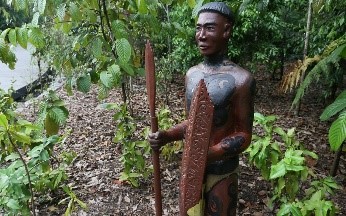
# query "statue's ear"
(228, 30)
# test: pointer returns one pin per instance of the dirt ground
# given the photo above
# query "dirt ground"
(94, 175)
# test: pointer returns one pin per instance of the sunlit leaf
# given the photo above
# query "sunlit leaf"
(3, 121)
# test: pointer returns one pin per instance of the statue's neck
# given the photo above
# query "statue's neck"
(215, 60)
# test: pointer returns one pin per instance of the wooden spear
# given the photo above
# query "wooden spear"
(151, 91)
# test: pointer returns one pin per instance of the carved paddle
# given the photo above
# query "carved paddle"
(151, 91)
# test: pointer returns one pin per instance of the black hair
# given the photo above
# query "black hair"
(218, 7)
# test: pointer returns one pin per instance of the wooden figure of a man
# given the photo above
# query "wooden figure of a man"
(231, 90)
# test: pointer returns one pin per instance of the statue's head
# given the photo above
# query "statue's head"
(213, 29)
(218, 7)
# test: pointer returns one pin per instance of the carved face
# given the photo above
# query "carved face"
(212, 33)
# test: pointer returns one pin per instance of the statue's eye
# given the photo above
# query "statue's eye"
(210, 28)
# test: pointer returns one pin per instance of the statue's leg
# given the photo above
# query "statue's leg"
(222, 198)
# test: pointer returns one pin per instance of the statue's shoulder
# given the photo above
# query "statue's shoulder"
(240, 74)
(197, 68)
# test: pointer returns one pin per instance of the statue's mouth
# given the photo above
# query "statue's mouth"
(203, 47)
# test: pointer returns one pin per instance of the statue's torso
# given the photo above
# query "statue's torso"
(220, 85)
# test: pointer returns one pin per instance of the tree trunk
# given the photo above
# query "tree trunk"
(336, 161)
(305, 52)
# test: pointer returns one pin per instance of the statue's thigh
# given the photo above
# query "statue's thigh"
(221, 200)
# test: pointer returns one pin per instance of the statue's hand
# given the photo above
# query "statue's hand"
(232, 145)
(157, 140)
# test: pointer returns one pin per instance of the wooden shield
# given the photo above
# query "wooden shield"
(196, 146)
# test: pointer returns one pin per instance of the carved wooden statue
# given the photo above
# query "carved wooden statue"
(231, 92)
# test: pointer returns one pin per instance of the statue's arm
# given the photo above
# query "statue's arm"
(237, 141)
(162, 137)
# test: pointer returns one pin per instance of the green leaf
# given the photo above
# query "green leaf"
(58, 115)
(6, 55)
(20, 137)
(142, 6)
(295, 211)
(12, 156)
(127, 68)
(109, 106)
(338, 105)
(337, 133)
(12, 37)
(284, 209)
(311, 154)
(3, 121)
(36, 37)
(13, 204)
(119, 28)
(114, 69)
(35, 18)
(60, 12)
(277, 170)
(97, 48)
(81, 203)
(4, 33)
(4, 181)
(66, 27)
(123, 49)
(75, 12)
(106, 79)
(103, 91)
(84, 83)
(22, 37)
(51, 126)
(191, 3)
(21, 4)
(41, 6)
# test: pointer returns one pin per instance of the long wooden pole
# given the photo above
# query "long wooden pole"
(151, 91)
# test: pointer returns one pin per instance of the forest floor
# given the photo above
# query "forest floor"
(94, 175)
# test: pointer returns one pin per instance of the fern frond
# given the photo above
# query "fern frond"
(331, 54)
(291, 80)
(334, 45)
(322, 68)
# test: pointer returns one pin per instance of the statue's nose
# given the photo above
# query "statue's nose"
(202, 34)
